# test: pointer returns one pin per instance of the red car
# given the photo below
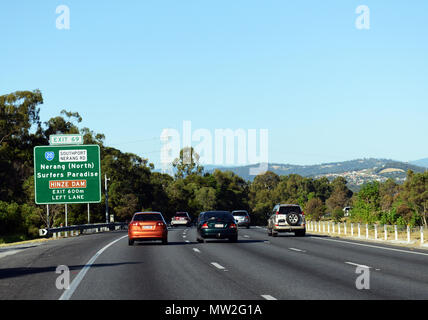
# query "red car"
(147, 226)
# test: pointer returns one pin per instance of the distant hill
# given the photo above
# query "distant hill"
(356, 172)
(420, 162)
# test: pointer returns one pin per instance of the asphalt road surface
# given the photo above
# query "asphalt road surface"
(103, 266)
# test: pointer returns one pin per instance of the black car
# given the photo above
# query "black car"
(216, 225)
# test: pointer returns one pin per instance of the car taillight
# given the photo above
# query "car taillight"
(277, 212)
(232, 226)
(160, 224)
(134, 224)
(303, 213)
(177, 218)
(204, 226)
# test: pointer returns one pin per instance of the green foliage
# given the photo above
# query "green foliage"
(187, 163)
(337, 214)
(133, 185)
(315, 209)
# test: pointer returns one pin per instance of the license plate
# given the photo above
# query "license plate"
(218, 226)
(147, 227)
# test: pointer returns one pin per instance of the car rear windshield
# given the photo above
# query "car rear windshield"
(240, 213)
(148, 217)
(288, 209)
(221, 215)
(181, 214)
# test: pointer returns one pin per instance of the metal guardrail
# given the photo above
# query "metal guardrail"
(80, 228)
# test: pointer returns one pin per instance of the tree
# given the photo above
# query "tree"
(261, 195)
(187, 163)
(18, 112)
(366, 206)
(340, 196)
(414, 192)
(206, 198)
(315, 209)
(388, 192)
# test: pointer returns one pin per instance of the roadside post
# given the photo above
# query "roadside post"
(106, 193)
(66, 220)
(47, 214)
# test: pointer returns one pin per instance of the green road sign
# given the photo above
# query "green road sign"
(67, 174)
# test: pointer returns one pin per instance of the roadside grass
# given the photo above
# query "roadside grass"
(16, 239)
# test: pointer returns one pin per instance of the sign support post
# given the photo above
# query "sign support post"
(105, 188)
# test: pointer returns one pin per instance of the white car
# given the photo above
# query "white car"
(181, 219)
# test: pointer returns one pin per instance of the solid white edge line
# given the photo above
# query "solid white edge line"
(215, 264)
(76, 281)
(268, 297)
(196, 250)
(371, 246)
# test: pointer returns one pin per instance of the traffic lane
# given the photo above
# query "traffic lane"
(285, 274)
(31, 274)
(401, 274)
(395, 261)
(152, 271)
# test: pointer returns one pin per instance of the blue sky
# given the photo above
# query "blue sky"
(325, 90)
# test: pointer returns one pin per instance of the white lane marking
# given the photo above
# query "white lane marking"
(215, 264)
(371, 246)
(10, 250)
(268, 297)
(8, 253)
(246, 236)
(357, 265)
(196, 250)
(76, 281)
(298, 250)
(187, 241)
(184, 236)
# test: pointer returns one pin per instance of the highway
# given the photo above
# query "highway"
(258, 267)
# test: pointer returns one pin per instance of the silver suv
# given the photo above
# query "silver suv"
(287, 218)
(242, 218)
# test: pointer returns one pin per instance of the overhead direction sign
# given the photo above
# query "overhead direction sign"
(67, 174)
(65, 139)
